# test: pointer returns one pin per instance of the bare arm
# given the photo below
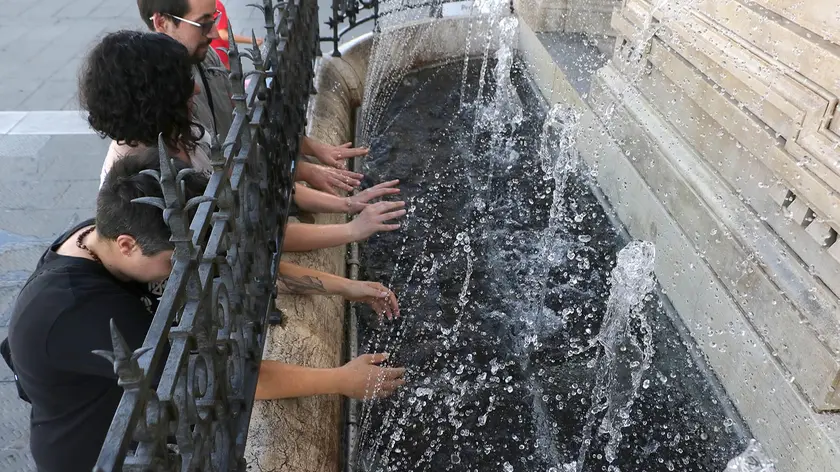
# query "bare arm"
(301, 280)
(279, 380)
(305, 237)
(296, 279)
(316, 201)
(327, 179)
(360, 378)
(329, 155)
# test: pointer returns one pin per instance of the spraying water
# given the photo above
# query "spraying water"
(513, 344)
(753, 459)
(624, 359)
(506, 304)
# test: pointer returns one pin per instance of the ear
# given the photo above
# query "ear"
(159, 23)
(126, 244)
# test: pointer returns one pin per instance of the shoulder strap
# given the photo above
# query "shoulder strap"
(209, 94)
(6, 353)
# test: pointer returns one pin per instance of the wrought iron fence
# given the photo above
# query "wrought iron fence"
(207, 336)
(347, 15)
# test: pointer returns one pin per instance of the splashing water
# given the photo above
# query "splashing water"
(624, 359)
(499, 277)
(505, 108)
(753, 459)
(500, 286)
(490, 14)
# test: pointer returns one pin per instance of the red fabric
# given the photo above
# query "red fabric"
(219, 44)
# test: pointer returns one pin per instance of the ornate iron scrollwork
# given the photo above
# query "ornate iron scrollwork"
(207, 336)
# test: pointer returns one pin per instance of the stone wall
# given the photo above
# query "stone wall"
(756, 98)
(304, 435)
(714, 131)
(569, 16)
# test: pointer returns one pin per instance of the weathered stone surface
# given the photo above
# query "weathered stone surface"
(684, 132)
(569, 16)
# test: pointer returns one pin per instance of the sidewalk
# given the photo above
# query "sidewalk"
(48, 183)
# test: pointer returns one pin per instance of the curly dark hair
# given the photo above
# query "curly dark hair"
(136, 85)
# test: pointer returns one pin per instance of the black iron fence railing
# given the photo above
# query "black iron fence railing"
(207, 337)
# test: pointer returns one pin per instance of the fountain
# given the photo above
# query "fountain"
(532, 147)
(523, 356)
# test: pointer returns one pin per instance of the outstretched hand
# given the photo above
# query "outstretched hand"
(329, 179)
(372, 219)
(363, 378)
(375, 295)
(334, 156)
(361, 200)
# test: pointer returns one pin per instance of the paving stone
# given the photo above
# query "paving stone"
(32, 195)
(41, 223)
(12, 96)
(16, 460)
(8, 293)
(50, 93)
(14, 431)
(114, 10)
(17, 168)
(80, 8)
(44, 123)
(18, 259)
(11, 33)
(8, 120)
(73, 157)
(14, 145)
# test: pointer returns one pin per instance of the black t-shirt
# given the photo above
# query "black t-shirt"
(61, 315)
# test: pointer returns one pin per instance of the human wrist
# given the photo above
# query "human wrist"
(304, 171)
(315, 148)
(354, 230)
(335, 380)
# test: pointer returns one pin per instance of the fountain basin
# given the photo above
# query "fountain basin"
(746, 290)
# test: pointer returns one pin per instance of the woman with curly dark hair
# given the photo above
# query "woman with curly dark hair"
(136, 85)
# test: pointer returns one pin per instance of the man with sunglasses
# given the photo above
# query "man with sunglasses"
(194, 24)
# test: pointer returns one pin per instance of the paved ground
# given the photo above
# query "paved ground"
(48, 183)
(50, 160)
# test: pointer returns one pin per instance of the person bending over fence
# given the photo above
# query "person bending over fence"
(194, 23)
(135, 85)
(99, 271)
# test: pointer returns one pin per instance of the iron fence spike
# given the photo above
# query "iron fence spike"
(196, 201)
(153, 201)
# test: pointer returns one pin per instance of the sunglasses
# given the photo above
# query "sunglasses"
(205, 26)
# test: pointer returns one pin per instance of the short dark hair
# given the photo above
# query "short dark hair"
(117, 215)
(136, 85)
(165, 7)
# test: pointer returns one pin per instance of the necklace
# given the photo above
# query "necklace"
(81, 245)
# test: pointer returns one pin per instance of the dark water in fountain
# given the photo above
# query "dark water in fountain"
(497, 381)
